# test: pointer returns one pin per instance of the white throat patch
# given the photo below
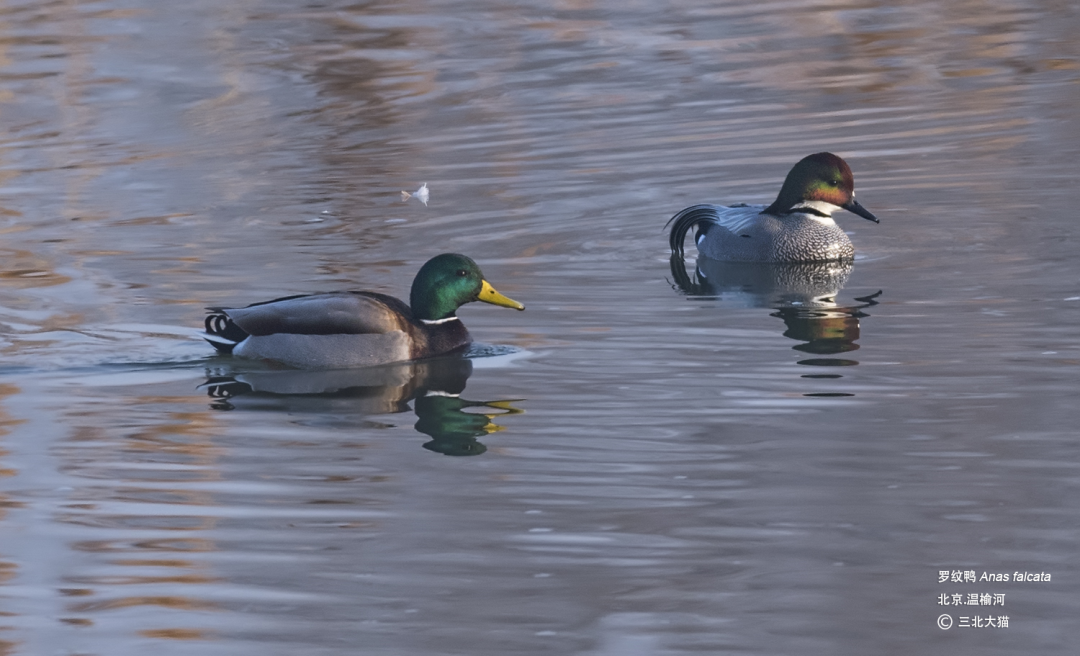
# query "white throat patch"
(818, 206)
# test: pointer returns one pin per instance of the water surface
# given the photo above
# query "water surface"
(646, 461)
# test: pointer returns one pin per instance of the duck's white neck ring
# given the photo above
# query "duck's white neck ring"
(816, 207)
(436, 322)
(441, 393)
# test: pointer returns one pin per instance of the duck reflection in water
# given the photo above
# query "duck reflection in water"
(802, 293)
(434, 386)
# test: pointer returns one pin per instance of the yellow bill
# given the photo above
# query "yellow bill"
(489, 295)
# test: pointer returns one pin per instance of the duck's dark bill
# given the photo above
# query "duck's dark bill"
(489, 295)
(854, 207)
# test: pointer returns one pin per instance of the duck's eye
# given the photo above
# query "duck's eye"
(835, 183)
(462, 272)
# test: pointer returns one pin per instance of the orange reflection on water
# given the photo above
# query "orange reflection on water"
(179, 603)
(177, 634)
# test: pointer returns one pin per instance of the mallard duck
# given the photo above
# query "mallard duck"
(340, 330)
(797, 227)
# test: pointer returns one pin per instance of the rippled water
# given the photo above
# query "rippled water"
(657, 457)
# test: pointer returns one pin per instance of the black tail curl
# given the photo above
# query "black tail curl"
(702, 216)
(220, 325)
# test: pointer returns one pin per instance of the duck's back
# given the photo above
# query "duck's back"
(755, 236)
(340, 330)
(331, 313)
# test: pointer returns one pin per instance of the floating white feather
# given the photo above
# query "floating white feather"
(421, 194)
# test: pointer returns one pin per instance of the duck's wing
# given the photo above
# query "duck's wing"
(337, 313)
(733, 218)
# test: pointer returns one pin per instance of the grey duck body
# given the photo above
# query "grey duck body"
(797, 227)
(340, 330)
(344, 330)
(748, 234)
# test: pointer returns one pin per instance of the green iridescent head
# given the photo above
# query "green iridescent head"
(817, 181)
(448, 281)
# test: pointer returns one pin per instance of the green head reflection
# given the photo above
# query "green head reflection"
(452, 428)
